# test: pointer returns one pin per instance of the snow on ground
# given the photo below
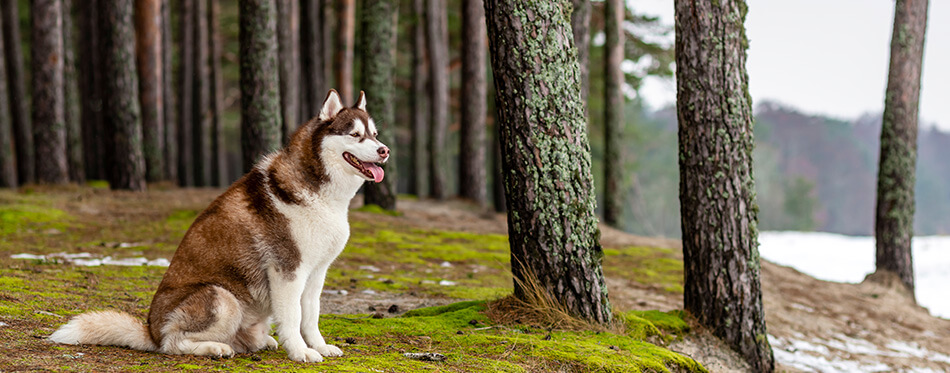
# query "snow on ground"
(90, 260)
(835, 257)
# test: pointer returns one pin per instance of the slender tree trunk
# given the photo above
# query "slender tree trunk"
(346, 35)
(168, 94)
(288, 32)
(90, 89)
(894, 218)
(498, 187)
(186, 71)
(74, 150)
(613, 112)
(19, 106)
(313, 88)
(379, 41)
(260, 92)
(552, 225)
(437, 36)
(216, 45)
(472, 178)
(580, 25)
(201, 109)
(49, 117)
(420, 108)
(120, 95)
(148, 15)
(717, 191)
(8, 176)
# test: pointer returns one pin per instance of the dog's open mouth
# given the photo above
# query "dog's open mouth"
(368, 169)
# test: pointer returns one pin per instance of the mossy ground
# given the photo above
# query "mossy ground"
(384, 255)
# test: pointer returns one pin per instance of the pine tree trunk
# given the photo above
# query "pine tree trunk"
(19, 105)
(74, 151)
(379, 41)
(498, 186)
(313, 87)
(168, 93)
(8, 176)
(201, 109)
(613, 111)
(580, 25)
(420, 108)
(551, 221)
(90, 89)
(437, 36)
(49, 117)
(151, 82)
(288, 32)
(186, 73)
(717, 191)
(120, 95)
(346, 34)
(260, 85)
(894, 218)
(216, 45)
(472, 178)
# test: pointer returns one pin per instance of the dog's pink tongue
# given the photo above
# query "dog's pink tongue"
(377, 171)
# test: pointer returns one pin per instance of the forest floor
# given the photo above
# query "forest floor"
(427, 254)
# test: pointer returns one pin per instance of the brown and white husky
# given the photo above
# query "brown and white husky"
(259, 252)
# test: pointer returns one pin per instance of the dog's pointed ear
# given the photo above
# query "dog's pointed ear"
(332, 106)
(361, 103)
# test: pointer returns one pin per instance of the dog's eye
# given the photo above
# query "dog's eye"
(355, 134)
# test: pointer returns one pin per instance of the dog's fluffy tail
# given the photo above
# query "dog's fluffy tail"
(107, 328)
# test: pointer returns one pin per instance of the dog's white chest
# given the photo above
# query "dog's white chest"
(319, 231)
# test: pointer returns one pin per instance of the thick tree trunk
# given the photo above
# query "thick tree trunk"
(148, 51)
(472, 178)
(551, 221)
(49, 117)
(201, 109)
(580, 25)
(437, 41)
(260, 86)
(613, 112)
(90, 89)
(379, 41)
(216, 45)
(420, 108)
(313, 87)
(346, 34)
(74, 151)
(8, 176)
(120, 95)
(168, 93)
(717, 191)
(288, 32)
(186, 71)
(19, 105)
(894, 218)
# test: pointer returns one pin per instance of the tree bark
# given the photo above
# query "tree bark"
(313, 85)
(288, 33)
(216, 45)
(420, 108)
(90, 89)
(613, 111)
(437, 36)
(19, 105)
(260, 86)
(201, 109)
(472, 178)
(121, 114)
(186, 68)
(498, 186)
(717, 191)
(168, 93)
(49, 117)
(580, 25)
(894, 218)
(379, 41)
(346, 34)
(148, 50)
(8, 176)
(552, 225)
(74, 150)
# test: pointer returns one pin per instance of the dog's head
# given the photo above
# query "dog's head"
(347, 139)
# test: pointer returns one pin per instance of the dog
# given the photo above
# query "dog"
(259, 253)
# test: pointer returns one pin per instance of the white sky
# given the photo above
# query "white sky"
(827, 56)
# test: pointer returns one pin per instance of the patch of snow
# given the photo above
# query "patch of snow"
(335, 292)
(447, 283)
(913, 349)
(92, 260)
(446, 264)
(370, 268)
(3, 323)
(802, 307)
(817, 355)
(28, 256)
(369, 292)
(811, 363)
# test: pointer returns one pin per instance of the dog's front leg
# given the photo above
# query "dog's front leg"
(311, 314)
(285, 295)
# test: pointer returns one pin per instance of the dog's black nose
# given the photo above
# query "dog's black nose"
(383, 151)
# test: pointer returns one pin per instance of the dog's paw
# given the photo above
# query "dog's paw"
(213, 349)
(270, 343)
(305, 355)
(329, 350)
